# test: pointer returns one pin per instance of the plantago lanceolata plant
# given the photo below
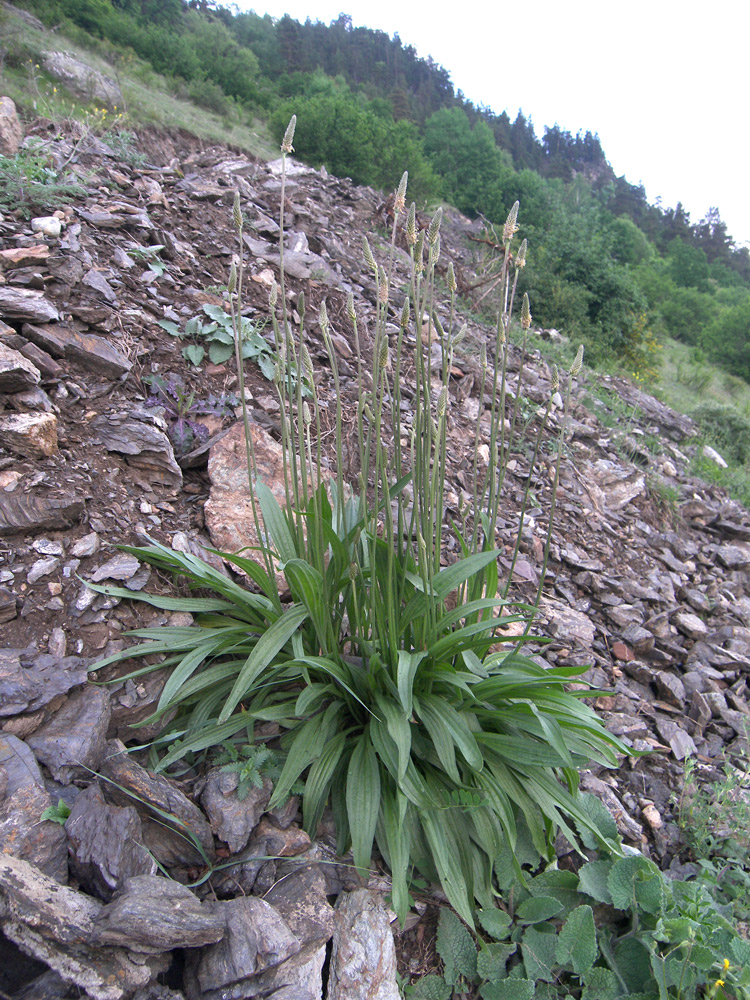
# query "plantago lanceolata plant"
(402, 703)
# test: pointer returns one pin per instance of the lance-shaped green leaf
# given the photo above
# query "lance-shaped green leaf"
(363, 800)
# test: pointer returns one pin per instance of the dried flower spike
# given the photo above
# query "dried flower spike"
(442, 403)
(411, 225)
(369, 259)
(232, 283)
(510, 228)
(350, 310)
(323, 316)
(434, 230)
(555, 386)
(237, 212)
(400, 203)
(405, 313)
(286, 145)
(525, 312)
(273, 296)
(521, 255)
(451, 279)
(575, 368)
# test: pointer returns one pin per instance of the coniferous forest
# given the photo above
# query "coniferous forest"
(608, 268)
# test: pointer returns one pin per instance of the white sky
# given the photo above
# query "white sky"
(664, 83)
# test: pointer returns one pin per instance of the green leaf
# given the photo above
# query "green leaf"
(172, 329)
(601, 818)
(429, 987)
(363, 800)
(194, 354)
(633, 964)
(537, 909)
(399, 730)
(308, 743)
(453, 576)
(508, 989)
(307, 587)
(636, 882)
(496, 922)
(446, 855)
(218, 353)
(593, 880)
(456, 948)
(319, 780)
(576, 942)
(275, 523)
(600, 984)
(266, 649)
(492, 958)
(539, 954)
(56, 814)
(406, 671)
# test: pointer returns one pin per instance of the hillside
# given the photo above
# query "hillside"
(608, 268)
(106, 392)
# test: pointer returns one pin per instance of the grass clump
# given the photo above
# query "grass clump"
(30, 183)
(402, 702)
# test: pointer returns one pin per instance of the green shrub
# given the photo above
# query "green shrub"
(726, 429)
(30, 183)
(401, 701)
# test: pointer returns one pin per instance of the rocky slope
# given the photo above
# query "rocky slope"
(655, 599)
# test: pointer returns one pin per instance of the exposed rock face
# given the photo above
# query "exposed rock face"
(11, 132)
(83, 80)
(655, 605)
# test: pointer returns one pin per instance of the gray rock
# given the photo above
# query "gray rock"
(71, 744)
(256, 939)
(33, 435)
(105, 844)
(268, 841)
(27, 512)
(26, 304)
(16, 372)
(55, 925)
(170, 846)
(363, 960)
(670, 688)
(300, 898)
(690, 625)
(82, 79)
(23, 799)
(151, 914)
(139, 435)
(11, 132)
(120, 567)
(233, 819)
(30, 680)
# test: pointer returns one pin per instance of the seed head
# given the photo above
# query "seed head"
(521, 255)
(301, 305)
(237, 212)
(419, 253)
(307, 365)
(432, 232)
(575, 368)
(273, 296)
(232, 283)
(383, 354)
(353, 571)
(555, 386)
(400, 203)
(383, 287)
(306, 415)
(350, 311)
(411, 225)
(405, 313)
(435, 251)
(323, 317)
(286, 145)
(483, 357)
(442, 403)
(525, 312)
(369, 259)
(460, 335)
(510, 228)
(451, 279)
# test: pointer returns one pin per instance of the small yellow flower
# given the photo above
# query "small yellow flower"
(726, 966)
(719, 982)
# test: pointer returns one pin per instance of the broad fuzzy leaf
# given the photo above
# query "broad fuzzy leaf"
(576, 942)
(456, 948)
(508, 989)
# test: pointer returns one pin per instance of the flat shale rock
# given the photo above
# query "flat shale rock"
(23, 799)
(139, 435)
(152, 914)
(233, 819)
(55, 925)
(71, 744)
(16, 372)
(257, 938)
(30, 680)
(105, 844)
(168, 847)
(300, 898)
(363, 961)
(29, 512)
(32, 435)
(26, 304)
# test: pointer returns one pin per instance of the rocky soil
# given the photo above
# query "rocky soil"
(654, 599)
